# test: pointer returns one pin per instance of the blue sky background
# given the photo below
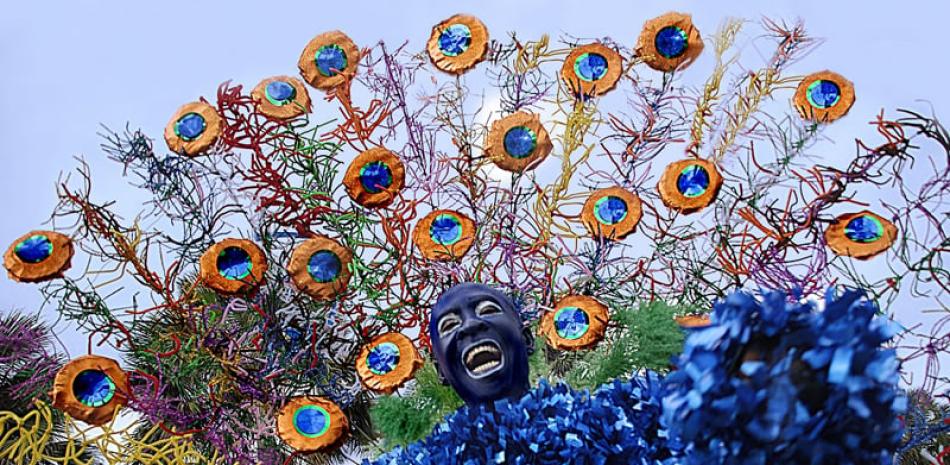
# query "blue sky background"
(69, 66)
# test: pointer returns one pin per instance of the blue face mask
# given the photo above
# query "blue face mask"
(480, 343)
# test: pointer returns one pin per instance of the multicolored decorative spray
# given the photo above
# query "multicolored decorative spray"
(272, 302)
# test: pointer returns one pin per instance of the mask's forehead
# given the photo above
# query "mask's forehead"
(467, 294)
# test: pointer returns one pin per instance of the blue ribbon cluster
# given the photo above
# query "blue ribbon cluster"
(778, 382)
(769, 382)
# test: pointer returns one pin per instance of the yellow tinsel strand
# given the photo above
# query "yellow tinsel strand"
(761, 84)
(577, 124)
(725, 38)
(26, 440)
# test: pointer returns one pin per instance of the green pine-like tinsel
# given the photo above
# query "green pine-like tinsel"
(645, 338)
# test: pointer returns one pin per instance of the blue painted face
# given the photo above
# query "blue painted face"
(480, 343)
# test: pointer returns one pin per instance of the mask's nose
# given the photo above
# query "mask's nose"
(472, 326)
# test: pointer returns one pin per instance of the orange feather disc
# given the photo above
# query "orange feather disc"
(824, 97)
(457, 44)
(374, 178)
(320, 267)
(611, 213)
(592, 70)
(387, 362)
(693, 321)
(518, 142)
(311, 424)
(194, 128)
(90, 388)
(861, 235)
(233, 266)
(444, 235)
(281, 97)
(38, 256)
(577, 322)
(689, 185)
(669, 42)
(328, 60)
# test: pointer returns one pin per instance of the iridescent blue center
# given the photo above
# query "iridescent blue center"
(34, 249)
(324, 266)
(190, 126)
(571, 322)
(383, 358)
(455, 40)
(93, 388)
(331, 60)
(693, 181)
(864, 229)
(590, 66)
(311, 421)
(446, 229)
(293, 335)
(375, 176)
(234, 263)
(280, 92)
(823, 94)
(520, 141)
(610, 210)
(671, 41)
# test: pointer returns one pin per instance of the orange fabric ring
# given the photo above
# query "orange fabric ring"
(374, 178)
(457, 44)
(281, 97)
(689, 185)
(328, 60)
(194, 128)
(233, 266)
(38, 256)
(387, 362)
(518, 142)
(444, 235)
(861, 235)
(612, 213)
(90, 388)
(577, 322)
(591, 70)
(824, 97)
(320, 267)
(669, 42)
(312, 424)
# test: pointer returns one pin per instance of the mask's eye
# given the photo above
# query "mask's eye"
(487, 307)
(449, 323)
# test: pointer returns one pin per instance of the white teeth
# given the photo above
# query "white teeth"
(477, 350)
(485, 367)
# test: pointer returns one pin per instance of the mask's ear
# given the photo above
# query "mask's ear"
(528, 336)
(438, 372)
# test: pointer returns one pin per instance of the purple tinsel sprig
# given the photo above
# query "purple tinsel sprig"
(28, 362)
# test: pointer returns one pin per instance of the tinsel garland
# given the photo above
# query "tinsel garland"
(774, 380)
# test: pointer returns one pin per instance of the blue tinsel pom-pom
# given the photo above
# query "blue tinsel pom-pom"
(617, 424)
(773, 382)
